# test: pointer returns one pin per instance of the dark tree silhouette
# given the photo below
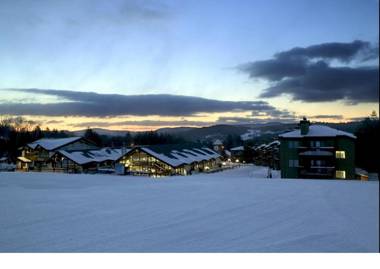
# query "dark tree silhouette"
(93, 137)
(367, 144)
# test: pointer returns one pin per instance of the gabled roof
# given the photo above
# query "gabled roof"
(105, 154)
(174, 162)
(53, 143)
(97, 156)
(76, 156)
(179, 154)
(217, 142)
(274, 143)
(317, 131)
(240, 148)
(261, 146)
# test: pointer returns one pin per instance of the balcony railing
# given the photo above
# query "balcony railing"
(316, 153)
(317, 171)
(315, 148)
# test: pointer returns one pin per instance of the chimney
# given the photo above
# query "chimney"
(304, 126)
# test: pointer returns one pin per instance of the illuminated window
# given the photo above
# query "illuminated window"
(340, 174)
(340, 154)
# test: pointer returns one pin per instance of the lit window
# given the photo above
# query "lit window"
(340, 174)
(340, 154)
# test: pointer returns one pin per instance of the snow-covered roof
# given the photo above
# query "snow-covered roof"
(317, 131)
(53, 143)
(211, 152)
(217, 142)
(250, 134)
(190, 157)
(98, 156)
(2, 159)
(76, 156)
(197, 156)
(360, 171)
(185, 158)
(105, 154)
(237, 148)
(177, 157)
(171, 161)
(274, 143)
(260, 146)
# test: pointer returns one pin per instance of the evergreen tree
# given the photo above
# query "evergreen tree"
(93, 136)
(367, 144)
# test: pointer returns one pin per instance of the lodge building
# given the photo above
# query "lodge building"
(77, 155)
(317, 151)
(37, 156)
(162, 160)
(267, 155)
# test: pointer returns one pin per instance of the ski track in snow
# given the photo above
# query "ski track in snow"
(236, 210)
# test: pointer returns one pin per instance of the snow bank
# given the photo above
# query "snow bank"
(233, 211)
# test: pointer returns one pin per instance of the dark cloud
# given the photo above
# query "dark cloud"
(281, 114)
(344, 52)
(156, 123)
(357, 118)
(275, 69)
(102, 105)
(306, 74)
(325, 83)
(270, 116)
(337, 117)
(252, 120)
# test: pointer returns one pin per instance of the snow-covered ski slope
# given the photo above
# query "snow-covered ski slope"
(233, 211)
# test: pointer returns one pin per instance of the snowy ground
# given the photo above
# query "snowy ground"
(232, 211)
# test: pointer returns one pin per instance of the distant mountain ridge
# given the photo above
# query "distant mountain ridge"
(101, 131)
(221, 131)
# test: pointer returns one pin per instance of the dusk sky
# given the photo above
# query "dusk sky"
(142, 65)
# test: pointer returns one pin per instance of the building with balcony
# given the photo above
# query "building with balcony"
(267, 155)
(77, 155)
(317, 151)
(37, 156)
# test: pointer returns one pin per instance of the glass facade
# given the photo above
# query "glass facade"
(139, 162)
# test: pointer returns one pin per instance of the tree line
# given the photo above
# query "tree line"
(16, 132)
(131, 139)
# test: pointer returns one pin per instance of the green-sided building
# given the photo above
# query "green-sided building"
(317, 151)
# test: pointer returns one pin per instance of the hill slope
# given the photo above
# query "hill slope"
(232, 211)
